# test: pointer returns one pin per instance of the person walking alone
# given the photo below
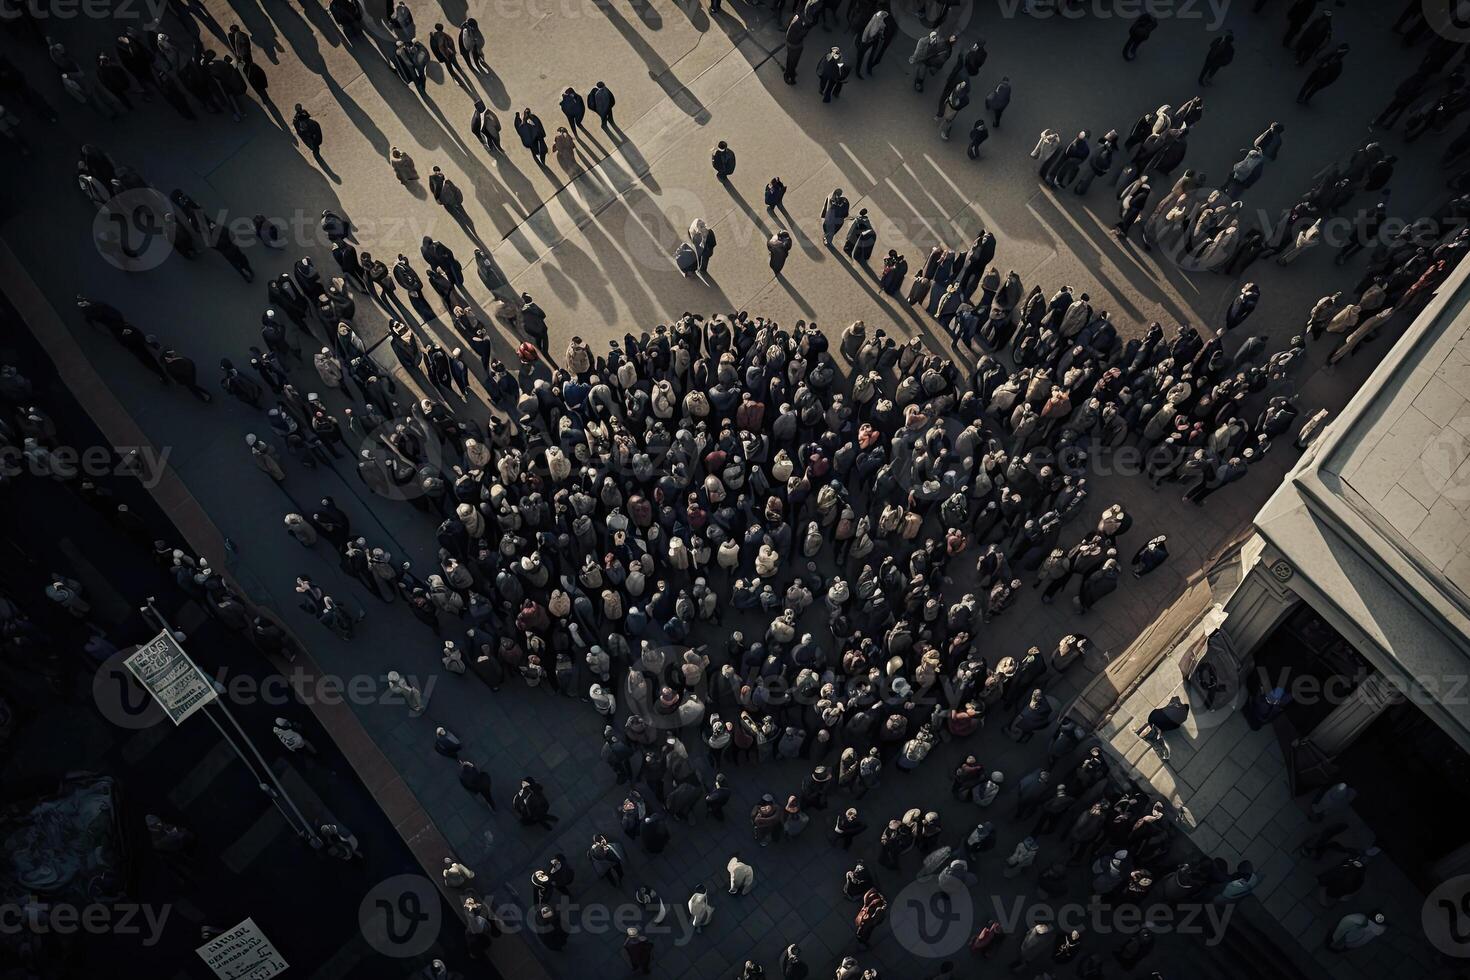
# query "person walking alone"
(1221, 53)
(779, 245)
(723, 160)
(997, 101)
(1327, 71)
(1132, 202)
(182, 370)
(309, 131)
(1139, 31)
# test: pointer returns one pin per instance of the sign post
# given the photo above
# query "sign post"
(175, 681)
(181, 689)
(242, 953)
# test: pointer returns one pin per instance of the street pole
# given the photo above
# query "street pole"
(305, 829)
(291, 819)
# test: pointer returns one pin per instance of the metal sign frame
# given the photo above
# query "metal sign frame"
(174, 680)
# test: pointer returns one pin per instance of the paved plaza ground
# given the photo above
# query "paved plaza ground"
(1230, 786)
(594, 249)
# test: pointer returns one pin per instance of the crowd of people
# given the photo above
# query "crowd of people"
(589, 529)
(737, 540)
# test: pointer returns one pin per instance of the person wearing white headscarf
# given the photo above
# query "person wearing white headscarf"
(702, 237)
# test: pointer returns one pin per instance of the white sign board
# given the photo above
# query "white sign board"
(242, 953)
(179, 687)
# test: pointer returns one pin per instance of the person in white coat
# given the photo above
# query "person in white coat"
(700, 910)
(1357, 929)
(742, 876)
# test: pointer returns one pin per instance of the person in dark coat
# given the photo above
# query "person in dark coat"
(574, 107)
(775, 194)
(1164, 719)
(979, 133)
(532, 134)
(1133, 201)
(874, 36)
(485, 126)
(136, 56)
(834, 214)
(831, 71)
(1323, 74)
(1221, 53)
(1150, 556)
(1404, 96)
(308, 130)
(238, 385)
(997, 101)
(115, 78)
(1243, 306)
(229, 83)
(476, 782)
(1143, 25)
(531, 806)
(792, 967)
(533, 322)
(723, 160)
(472, 45)
(226, 246)
(796, 33)
(1313, 37)
(412, 59)
(548, 926)
(1097, 585)
(346, 255)
(779, 245)
(860, 224)
(181, 370)
(1296, 16)
(638, 951)
(441, 45)
(601, 101)
(1341, 881)
(239, 44)
(1062, 167)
